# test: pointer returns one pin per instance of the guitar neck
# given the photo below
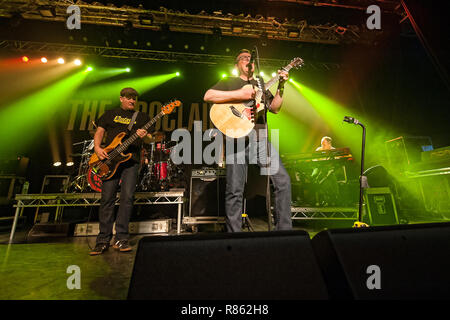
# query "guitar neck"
(272, 81)
(134, 136)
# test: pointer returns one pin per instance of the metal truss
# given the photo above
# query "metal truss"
(203, 23)
(61, 200)
(338, 213)
(141, 54)
(93, 199)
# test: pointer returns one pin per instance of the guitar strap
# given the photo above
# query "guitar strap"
(133, 119)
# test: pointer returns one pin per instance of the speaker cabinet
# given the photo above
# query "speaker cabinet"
(207, 196)
(395, 262)
(230, 266)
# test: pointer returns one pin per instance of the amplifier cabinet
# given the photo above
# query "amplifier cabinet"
(206, 199)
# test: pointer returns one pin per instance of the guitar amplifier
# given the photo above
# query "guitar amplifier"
(207, 196)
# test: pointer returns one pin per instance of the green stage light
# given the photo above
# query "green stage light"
(111, 89)
(224, 75)
(177, 74)
(127, 69)
(89, 69)
(235, 72)
(33, 113)
(77, 62)
(274, 74)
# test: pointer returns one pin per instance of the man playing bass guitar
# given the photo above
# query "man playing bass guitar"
(111, 123)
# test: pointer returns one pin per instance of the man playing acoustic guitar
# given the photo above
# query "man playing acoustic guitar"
(111, 123)
(235, 90)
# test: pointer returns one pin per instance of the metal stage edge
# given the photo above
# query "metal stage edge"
(59, 200)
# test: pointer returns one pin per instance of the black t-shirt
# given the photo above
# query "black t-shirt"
(116, 120)
(235, 83)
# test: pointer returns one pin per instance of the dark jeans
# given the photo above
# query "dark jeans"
(127, 173)
(236, 179)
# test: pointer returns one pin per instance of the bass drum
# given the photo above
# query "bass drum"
(94, 181)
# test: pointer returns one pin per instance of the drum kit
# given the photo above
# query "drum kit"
(157, 172)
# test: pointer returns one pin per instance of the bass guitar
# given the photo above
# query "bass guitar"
(105, 169)
(233, 120)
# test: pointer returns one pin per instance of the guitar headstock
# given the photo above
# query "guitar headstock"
(296, 63)
(168, 108)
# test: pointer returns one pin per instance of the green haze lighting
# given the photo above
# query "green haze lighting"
(127, 69)
(291, 80)
(111, 89)
(177, 74)
(89, 69)
(224, 75)
(33, 112)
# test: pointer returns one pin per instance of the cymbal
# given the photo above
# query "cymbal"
(157, 136)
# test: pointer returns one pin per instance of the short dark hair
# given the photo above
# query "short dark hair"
(240, 52)
(129, 93)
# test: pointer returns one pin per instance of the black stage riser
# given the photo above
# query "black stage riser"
(262, 266)
(413, 262)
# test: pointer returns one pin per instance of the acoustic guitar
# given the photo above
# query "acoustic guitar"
(231, 118)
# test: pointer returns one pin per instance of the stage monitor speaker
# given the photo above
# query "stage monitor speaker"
(386, 263)
(232, 266)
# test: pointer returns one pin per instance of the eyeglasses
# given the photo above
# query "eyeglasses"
(246, 58)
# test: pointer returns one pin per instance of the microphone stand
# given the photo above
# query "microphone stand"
(266, 129)
(362, 179)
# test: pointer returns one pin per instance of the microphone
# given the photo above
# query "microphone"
(351, 120)
(252, 59)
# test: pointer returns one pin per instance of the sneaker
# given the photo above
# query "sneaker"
(99, 249)
(122, 245)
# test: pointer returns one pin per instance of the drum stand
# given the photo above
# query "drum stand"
(80, 183)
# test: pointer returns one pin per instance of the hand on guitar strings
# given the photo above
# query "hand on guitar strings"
(141, 133)
(283, 77)
(101, 153)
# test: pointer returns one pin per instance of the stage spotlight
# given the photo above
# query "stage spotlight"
(274, 74)
(44, 60)
(224, 75)
(57, 163)
(202, 48)
(25, 59)
(291, 80)
(127, 69)
(235, 72)
(61, 61)
(77, 62)
(89, 68)
(261, 74)
(69, 164)
(177, 74)
(186, 46)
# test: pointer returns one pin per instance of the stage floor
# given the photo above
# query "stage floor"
(38, 271)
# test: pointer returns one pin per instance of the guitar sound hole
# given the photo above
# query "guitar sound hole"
(235, 111)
